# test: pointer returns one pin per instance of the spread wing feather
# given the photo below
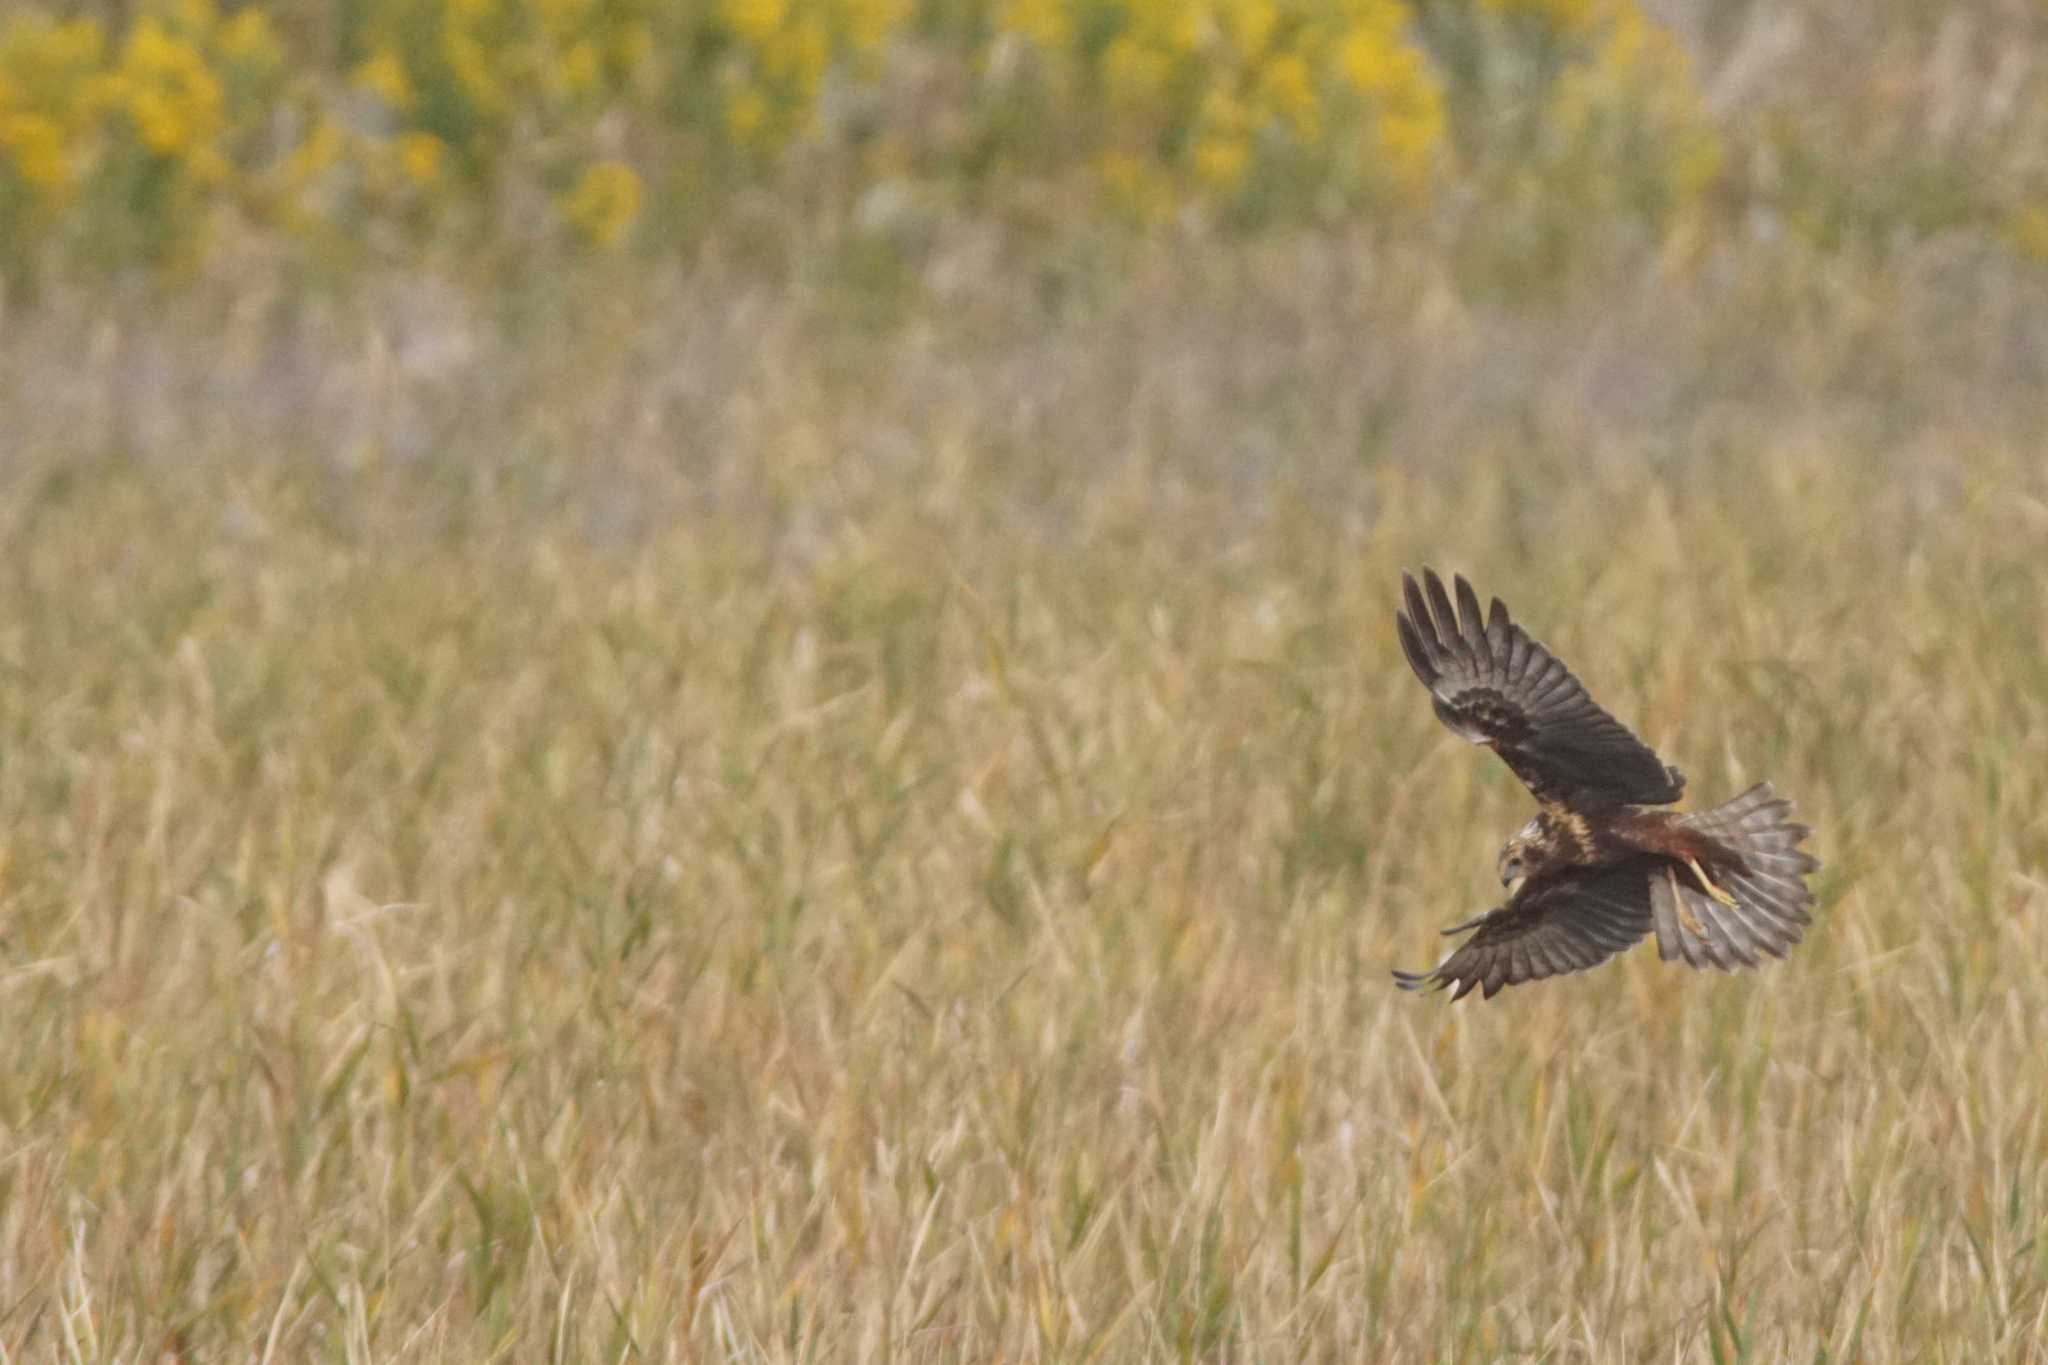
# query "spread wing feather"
(1495, 685)
(1565, 923)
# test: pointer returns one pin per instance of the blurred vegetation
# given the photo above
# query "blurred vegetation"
(153, 133)
(685, 840)
(715, 681)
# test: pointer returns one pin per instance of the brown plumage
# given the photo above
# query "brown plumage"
(1598, 868)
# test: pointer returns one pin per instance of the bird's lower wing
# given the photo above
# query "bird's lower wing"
(1560, 924)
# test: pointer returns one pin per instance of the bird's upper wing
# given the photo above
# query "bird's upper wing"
(1564, 923)
(1496, 686)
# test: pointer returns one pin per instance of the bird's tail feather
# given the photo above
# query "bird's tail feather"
(1771, 902)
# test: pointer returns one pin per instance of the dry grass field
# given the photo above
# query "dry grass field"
(725, 829)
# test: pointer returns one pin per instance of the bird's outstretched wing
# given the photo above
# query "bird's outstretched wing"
(1563, 923)
(1496, 686)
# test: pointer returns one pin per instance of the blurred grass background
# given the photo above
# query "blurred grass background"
(715, 681)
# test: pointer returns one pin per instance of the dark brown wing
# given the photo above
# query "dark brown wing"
(1496, 686)
(1564, 923)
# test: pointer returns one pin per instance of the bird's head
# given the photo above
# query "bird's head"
(1519, 856)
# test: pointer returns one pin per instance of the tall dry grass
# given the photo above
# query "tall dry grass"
(705, 824)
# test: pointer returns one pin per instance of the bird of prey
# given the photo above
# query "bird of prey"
(1598, 867)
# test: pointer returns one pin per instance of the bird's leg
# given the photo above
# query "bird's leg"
(1707, 883)
(1685, 915)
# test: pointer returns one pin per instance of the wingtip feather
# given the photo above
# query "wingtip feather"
(1416, 982)
(1418, 611)
(1411, 645)
(1471, 624)
(1440, 607)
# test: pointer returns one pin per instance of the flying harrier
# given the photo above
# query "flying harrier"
(1596, 869)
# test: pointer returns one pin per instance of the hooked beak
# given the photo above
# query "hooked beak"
(1510, 873)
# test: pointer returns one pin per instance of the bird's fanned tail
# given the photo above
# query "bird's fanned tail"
(1770, 900)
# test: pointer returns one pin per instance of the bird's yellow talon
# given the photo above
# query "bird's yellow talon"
(1707, 884)
(1686, 918)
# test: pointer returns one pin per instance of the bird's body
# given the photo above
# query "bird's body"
(1601, 865)
(1560, 840)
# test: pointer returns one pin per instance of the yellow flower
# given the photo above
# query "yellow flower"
(1368, 60)
(1135, 72)
(1185, 28)
(1253, 24)
(605, 204)
(383, 74)
(322, 149)
(248, 39)
(1290, 91)
(35, 145)
(1411, 130)
(580, 72)
(756, 21)
(1221, 160)
(173, 100)
(1378, 59)
(48, 67)
(868, 22)
(421, 156)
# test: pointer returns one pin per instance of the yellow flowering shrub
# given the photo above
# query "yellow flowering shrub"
(1221, 99)
(466, 92)
(137, 135)
(618, 118)
(465, 71)
(34, 147)
(169, 97)
(45, 72)
(775, 55)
